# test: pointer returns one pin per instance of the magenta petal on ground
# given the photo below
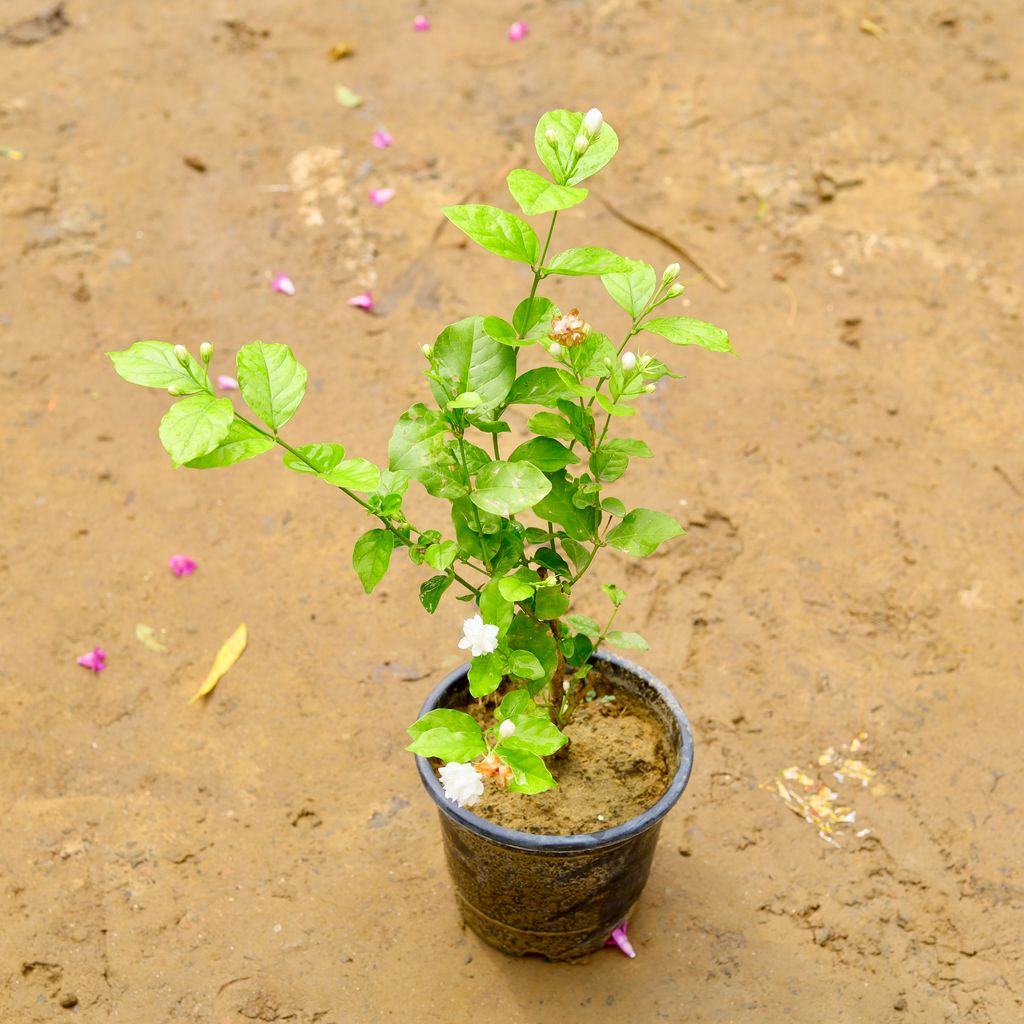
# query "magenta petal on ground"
(517, 30)
(95, 660)
(618, 938)
(226, 383)
(420, 23)
(380, 196)
(364, 300)
(283, 283)
(181, 565)
(382, 139)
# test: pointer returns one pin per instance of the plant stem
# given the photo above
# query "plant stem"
(537, 270)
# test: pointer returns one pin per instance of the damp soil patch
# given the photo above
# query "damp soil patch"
(618, 764)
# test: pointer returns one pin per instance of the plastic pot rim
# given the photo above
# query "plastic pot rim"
(578, 842)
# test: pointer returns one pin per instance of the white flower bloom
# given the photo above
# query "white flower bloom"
(592, 121)
(462, 783)
(478, 637)
(628, 361)
(506, 729)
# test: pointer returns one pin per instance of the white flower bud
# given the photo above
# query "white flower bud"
(645, 361)
(181, 354)
(206, 352)
(581, 143)
(649, 388)
(628, 361)
(462, 783)
(587, 329)
(565, 686)
(506, 729)
(592, 121)
(676, 289)
(608, 362)
(551, 135)
(671, 273)
(427, 350)
(556, 349)
(174, 391)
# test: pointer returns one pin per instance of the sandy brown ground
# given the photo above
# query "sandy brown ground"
(853, 484)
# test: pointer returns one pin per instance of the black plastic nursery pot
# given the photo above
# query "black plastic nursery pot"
(558, 896)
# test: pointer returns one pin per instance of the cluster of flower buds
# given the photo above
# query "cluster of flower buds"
(567, 331)
(592, 121)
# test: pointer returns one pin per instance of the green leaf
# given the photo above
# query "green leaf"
(550, 603)
(505, 488)
(615, 408)
(354, 475)
(503, 332)
(497, 231)
(642, 530)
(545, 453)
(551, 559)
(684, 330)
(449, 735)
(614, 507)
(632, 641)
(532, 319)
(588, 358)
(560, 157)
(324, 458)
(585, 625)
(441, 556)
(535, 194)
(634, 288)
(527, 634)
(580, 422)
(559, 507)
(542, 386)
(417, 449)
(514, 589)
(471, 360)
(588, 260)
(241, 442)
(467, 400)
(492, 426)
(579, 554)
(524, 665)
(195, 426)
(609, 462)
(615, 594)
(432, 590)
(272, 381)
(529, 773)
(535, 734)
(517, 703)
(153, 364)
(495, 609)
(372, 555)
(486, 673)
(547, 424)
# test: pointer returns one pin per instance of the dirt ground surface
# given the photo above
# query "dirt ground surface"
(852, 483)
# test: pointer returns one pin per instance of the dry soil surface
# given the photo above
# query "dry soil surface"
(853, 486)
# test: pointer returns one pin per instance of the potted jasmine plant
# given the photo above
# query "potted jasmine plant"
(551, 761)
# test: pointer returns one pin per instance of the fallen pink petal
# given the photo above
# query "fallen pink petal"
(364, 300)
(95, 660)
(380, 196)
(283, 283)
(420, 23)
(518, 30)
(618, 938)
(182, 565)
(382, 139)
(226, 383)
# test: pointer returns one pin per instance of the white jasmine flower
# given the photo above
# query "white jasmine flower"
(462, 783)
(592, 121)
(506, 729)
(478, 637)
(581, 143)
(628, 361)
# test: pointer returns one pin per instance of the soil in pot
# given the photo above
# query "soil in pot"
(617, 765)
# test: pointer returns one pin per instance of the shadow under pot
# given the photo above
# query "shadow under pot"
(557, 896)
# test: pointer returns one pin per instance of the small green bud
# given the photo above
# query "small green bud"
(608, 362)
(181, 354)
(671, 273)
(649, 388)
(551, 135)
(645, 361)
(427, 350)
(675, 290)
(206, 352)
(581, 144)
(175, 392)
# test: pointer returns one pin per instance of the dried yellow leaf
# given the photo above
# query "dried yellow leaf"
(340, 50)
(226, 657)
